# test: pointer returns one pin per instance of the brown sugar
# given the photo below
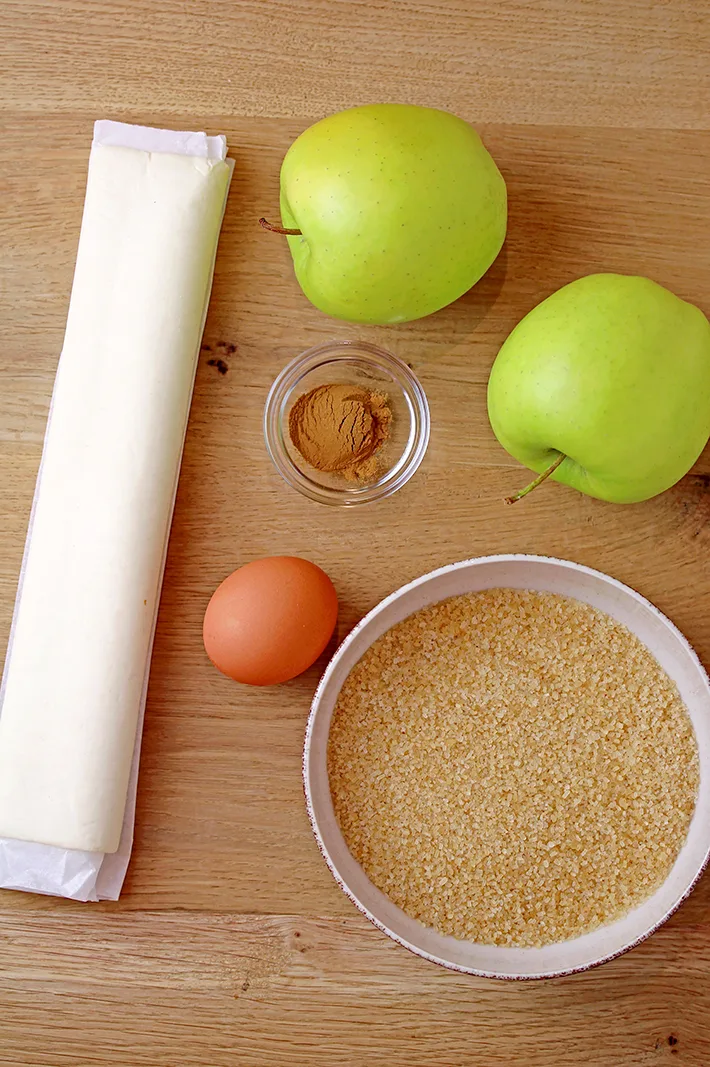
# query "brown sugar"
(512, 767)
(339, 429)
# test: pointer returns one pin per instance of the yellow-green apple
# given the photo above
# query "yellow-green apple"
(606, 385)
(391, 211)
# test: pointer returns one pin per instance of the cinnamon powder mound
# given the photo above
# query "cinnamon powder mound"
(339, 429)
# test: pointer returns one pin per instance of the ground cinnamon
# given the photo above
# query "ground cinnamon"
(340, 429)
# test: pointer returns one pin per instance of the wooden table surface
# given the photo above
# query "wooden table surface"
(231, 943)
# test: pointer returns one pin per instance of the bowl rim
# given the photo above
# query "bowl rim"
(306, 764)
(336, 351)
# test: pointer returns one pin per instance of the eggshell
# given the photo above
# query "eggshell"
(270, 620)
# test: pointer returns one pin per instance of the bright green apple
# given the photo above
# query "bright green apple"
(613, 373)
(401, 210)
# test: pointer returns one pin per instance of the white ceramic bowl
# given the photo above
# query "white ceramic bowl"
(671, 650)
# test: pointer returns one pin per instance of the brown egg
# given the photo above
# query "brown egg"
(270, 620)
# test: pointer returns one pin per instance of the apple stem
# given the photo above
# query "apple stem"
(538, 481)
(278, 229)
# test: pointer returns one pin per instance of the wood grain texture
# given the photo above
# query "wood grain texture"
(231, 943)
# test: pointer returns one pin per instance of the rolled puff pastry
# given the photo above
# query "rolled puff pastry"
(87, 601)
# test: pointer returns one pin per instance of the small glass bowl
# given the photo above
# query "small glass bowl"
(352, 363)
